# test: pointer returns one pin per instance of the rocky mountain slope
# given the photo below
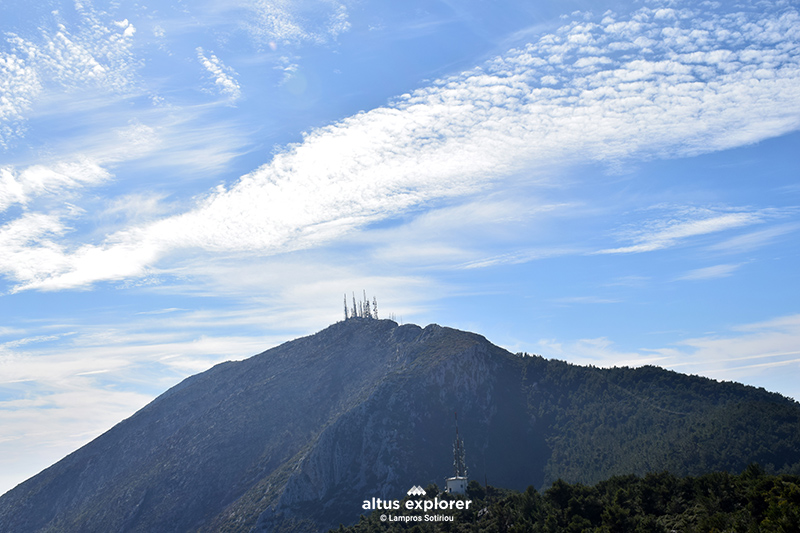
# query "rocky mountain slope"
(295, 438)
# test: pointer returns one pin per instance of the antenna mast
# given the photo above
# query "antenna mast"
(459, 458)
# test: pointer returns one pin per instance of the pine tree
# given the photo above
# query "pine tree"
(355, 308)
(374, 308)
(345, 307)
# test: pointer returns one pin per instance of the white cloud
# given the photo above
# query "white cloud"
(712, 272)
(224, 77)
(90, 54)
(286, 21)
(95, 54)
(180, 140)
(127, 28)
(461, 134)
(29, 250)
(516, 258)
(682, 224)
(289, 68)
(19, 85)
(61, 179)
(754, 240)
(136, 207)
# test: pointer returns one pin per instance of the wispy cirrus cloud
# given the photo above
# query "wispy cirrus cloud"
(755, 239)
(585, 300)
(61, 179)
(712, 272)
(680, 224)
(520, 257)
(653, 84)
(746, 352)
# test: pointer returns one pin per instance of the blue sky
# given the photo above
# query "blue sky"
(183, 183)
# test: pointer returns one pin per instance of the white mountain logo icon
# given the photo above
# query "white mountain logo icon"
(416, 490)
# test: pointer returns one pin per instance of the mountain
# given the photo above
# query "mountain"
(297, 437)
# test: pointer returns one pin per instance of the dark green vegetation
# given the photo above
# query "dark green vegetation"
(655, 503)
(633, 421)
(295, 438)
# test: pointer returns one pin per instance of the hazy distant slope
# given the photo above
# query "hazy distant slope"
(298, 436)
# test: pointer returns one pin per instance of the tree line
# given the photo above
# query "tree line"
(752, 501)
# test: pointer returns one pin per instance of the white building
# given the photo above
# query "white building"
(456, 485)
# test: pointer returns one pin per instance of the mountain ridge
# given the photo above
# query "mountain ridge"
(297, 436)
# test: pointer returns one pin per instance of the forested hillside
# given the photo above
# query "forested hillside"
(605, 422)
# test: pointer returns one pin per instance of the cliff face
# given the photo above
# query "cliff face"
(402, 434)
(297, 437)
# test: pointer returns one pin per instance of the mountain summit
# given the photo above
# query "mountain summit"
(298, 436)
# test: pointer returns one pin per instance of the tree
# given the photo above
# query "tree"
(374, 308)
